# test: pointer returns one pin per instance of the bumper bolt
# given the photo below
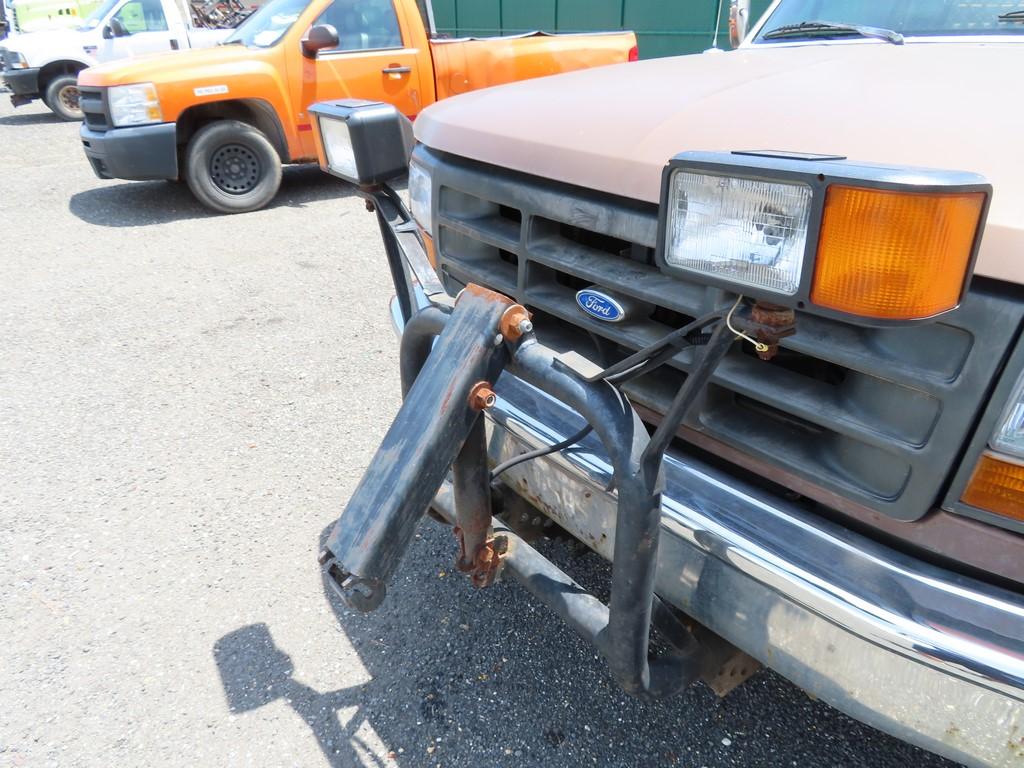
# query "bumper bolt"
(482, 397)
(516, 322)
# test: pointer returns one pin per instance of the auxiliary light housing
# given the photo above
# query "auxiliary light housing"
(366, 143)
(869, 244)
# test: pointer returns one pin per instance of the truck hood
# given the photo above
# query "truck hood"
(39, 48)
(193, 65)
(938, 105)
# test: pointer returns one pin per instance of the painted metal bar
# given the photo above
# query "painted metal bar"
(371, 536)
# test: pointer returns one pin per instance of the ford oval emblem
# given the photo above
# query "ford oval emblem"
(600, 305)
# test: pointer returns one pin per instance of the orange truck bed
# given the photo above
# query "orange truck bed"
(470, 64)
(226, 118)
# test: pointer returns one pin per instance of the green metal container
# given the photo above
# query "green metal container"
(663, 27)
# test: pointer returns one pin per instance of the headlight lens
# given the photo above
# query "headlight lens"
(750, 232)
(15, 60)
(1009, 436)
(421, 197)
(134, 105)
(337, 139)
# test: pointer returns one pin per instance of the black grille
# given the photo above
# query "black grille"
(93, 102)
(876, 415)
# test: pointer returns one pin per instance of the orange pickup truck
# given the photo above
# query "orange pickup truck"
(226, 119)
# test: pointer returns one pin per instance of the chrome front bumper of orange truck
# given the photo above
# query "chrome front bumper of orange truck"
(922, 653)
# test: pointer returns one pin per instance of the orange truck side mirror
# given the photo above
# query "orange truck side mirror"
(319, 38)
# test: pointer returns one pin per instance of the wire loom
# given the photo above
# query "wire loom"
(636, 365)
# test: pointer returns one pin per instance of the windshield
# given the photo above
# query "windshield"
(268, 25)
(97, 16)
(911, 18)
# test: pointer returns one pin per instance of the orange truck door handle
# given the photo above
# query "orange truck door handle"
(396, 70)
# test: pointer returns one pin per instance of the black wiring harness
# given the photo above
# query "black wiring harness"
(642, 362)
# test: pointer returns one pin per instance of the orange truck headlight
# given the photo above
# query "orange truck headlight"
(875, 245)
(997, 484)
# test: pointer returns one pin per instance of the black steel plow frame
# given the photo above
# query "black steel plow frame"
(442, 345)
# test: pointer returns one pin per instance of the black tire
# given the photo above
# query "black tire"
(62, 98)
(231, 167)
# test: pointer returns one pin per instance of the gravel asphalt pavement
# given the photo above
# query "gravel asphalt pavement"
(186, 402)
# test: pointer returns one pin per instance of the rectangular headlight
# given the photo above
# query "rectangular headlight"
(1009, 437)
(865, 243)
(421, 197)
(14, 60)
(363, 142)
(135, 104)
(750, 232)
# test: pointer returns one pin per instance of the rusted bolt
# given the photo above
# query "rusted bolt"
(515, 322)
(481, 396)
(770, 317)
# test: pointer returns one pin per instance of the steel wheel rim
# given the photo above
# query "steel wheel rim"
(235, 169)
(68, 97)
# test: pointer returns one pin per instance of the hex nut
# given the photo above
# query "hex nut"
(482, 397)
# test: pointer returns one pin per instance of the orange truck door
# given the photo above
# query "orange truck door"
(372, 61)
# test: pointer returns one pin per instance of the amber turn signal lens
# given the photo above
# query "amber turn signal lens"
(998, 486)
(428, 246)
(894, 255)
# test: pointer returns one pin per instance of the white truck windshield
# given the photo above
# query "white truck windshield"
(96, 17)
(800, 19)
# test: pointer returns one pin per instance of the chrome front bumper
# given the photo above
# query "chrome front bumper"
(924, 654)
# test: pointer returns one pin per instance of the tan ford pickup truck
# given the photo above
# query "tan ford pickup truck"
(750, 327)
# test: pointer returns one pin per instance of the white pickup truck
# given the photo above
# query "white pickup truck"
(45, 65)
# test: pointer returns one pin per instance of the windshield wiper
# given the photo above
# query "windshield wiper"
(813, 28)
(230, 42)
(1012, 16)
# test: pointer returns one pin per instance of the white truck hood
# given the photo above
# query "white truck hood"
(40, 48)
(938, 105)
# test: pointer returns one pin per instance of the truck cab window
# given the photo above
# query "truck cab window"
(363, 24)
(142, 16)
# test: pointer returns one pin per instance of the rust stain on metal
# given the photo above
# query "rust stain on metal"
(485, 293)
(770, 317)
(733, 672)
(484, 566)
(481, 396)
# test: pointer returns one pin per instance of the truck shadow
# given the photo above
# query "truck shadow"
(143, 203)
(462, 677)
(31, 118)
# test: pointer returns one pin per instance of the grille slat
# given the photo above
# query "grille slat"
(93, 102)
(492, 230)
(640, 281)
(878, 416)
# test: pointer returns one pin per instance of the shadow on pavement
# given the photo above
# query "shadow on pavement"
(254, 673)
(464, 677)
(30, 118)
(142, 203)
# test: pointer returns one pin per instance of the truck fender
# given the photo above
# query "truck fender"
(256, 112)
(59, 67)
